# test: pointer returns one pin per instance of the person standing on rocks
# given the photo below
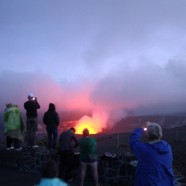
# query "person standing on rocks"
(88, 157)
(154, 157)
(51, 120)
(31, 107)
(67, 143)
(13, 127)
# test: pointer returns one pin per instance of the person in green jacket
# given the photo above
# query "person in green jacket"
(13, 127)
(87, 146)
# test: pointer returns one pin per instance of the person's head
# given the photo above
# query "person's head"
(72, 129)
(49, 169)
(30, 96)
(8, 105)
(51, 107)
(85, 132)
(154, 131)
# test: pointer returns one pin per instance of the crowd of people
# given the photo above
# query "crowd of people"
(154, 157)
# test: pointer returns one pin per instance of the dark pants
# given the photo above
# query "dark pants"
(13, 141)
(52, 137)
(66, 164)
(32, 128)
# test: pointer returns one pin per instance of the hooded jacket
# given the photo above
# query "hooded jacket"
(12, 119)
(154, 161)
(51, 119)
(51, 182)
(13, 124)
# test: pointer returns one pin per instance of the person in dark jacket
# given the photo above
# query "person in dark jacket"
(31, 107)
(154, 157)
(51, 120)
(67, 143)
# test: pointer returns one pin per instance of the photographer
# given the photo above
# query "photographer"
(154, 157)
(31, 107)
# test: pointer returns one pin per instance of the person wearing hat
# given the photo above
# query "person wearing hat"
(154, 157)
(31, 107)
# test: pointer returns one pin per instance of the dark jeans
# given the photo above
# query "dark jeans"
(65, 164)
(13, 141)
(52, 137)
(32, 128)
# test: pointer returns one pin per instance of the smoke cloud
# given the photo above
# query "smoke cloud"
(146, 89)
(111, 57)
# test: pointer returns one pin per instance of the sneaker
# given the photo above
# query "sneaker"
(35, 146)
(18, 149)
(9, 148)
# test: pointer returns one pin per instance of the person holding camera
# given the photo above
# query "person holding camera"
(31, 107)
(154, 157)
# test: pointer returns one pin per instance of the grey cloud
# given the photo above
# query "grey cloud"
(112, 50)
(147, 86)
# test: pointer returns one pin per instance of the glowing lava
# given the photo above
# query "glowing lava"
(94, 124)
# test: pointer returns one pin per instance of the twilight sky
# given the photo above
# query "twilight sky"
(110, 56)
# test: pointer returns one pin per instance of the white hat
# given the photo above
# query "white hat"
(31, 95)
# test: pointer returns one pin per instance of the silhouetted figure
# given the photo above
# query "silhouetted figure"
(49, 173)
(67, 143)
(51, 120)
(154, 157)
(31, 107)
(13, 127)
(88, 157)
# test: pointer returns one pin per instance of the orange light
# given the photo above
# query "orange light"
(80, 129)
(89, 123)
(94, 124)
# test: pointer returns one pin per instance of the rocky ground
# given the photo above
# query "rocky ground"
(113, 143)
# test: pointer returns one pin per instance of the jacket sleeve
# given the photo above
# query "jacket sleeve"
(57, 121)
(138, 147)
(25, 105)
(5, 116)
(44, 119)
(74, 138)
(37, 105)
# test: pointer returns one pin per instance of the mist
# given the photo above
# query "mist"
(147, 89)
(111, 57)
